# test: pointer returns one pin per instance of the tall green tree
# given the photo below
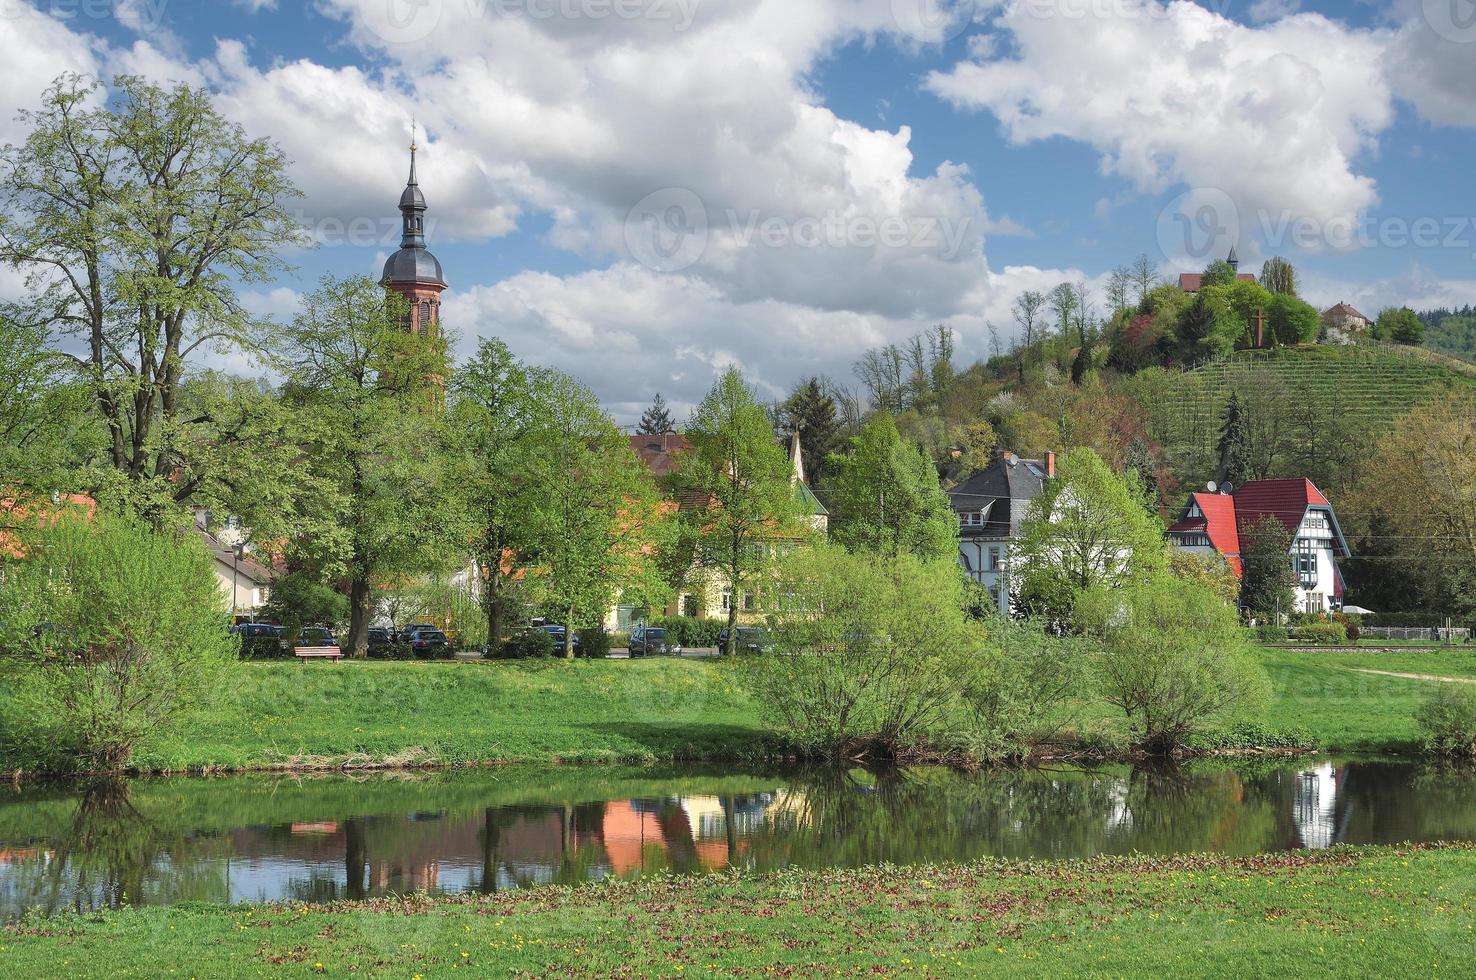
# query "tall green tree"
(811, 410)
(137, 217)
(1218, 273)
(884, 497)
(367, 398)
(656, 419)
(1086, 528)
(1289, 321)
(1279, 276)
(596, 526)
(1399, 325)
(495, 429)
(1066, 308)
(1268, 582)
(1234, 445)
(1144, 468)
(741, 477)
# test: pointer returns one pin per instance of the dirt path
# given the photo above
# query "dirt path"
(1413, 677)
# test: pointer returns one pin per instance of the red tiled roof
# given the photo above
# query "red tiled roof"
(1224, 515)
(1285, 500)
(659, 452)
(1218, 523)
(1190, 282)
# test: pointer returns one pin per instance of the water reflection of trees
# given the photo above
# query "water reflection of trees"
(921, 815)
(115, 843)
(111, 853)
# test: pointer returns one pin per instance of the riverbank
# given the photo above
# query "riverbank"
(1351, 912)
(287, 716)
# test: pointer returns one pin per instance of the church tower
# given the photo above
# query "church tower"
(413, 271)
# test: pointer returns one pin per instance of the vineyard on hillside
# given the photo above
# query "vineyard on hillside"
(1326, 392)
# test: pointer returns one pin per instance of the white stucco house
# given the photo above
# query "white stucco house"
(990, 506)
(1211, 524)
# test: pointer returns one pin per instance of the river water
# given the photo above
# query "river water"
(241, 839)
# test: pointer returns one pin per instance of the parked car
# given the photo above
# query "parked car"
(557, 632)
(651, 641)
(260, 640)
(381, 641)
(407, 633)
(751, 639)
(316, 636)
(429, 643)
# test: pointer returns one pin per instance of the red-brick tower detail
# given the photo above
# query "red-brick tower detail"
(413, 271)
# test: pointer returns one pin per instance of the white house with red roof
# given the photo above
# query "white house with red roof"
(1211, 524)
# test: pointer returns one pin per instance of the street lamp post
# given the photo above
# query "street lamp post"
(236, 551)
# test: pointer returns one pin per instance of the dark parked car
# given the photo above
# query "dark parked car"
(751, 639)
(316, 636)
(557, 632)
(407, 633)
(429, 642)
(651, 641)
(260, 640)
(381, 641)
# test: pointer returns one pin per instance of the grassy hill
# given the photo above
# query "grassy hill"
(1328, 389)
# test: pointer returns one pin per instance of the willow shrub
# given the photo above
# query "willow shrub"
(870, 654)
(1447, 720)
(1172, 655)
(122, 630)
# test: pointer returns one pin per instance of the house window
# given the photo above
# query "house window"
(1306, 562)
(727, 600)
(994, 559)
(750, 603)
(690, 607)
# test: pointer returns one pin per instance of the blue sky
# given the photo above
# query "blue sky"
(644, 191)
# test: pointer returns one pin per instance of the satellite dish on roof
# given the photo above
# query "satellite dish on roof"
(1228, 488)
(1212, 487)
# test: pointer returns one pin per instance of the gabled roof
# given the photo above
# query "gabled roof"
(1222, 516)
(1285, 500)
(244, 565)
(1191, 282)
(1017, 479)
(660, 452)
(1343, 309)
(1216, 521)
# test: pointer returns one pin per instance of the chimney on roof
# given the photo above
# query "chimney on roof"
(1007, 457)
(1050, 461)
(796, 457)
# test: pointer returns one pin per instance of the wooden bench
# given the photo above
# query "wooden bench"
(304, 654)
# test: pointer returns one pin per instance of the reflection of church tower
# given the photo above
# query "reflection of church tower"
(413, 271)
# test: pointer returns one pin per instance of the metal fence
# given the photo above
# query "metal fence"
(1433, 635)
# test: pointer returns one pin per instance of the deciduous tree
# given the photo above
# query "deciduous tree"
(884, 497)
(740, 477)
(1087, 528)
(367, 397)
(136, 218)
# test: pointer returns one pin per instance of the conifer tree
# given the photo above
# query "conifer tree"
(656, 419)
(1234, 448)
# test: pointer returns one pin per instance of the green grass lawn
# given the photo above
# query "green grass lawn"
(390, 712)
(1341, 913)
(378, 713)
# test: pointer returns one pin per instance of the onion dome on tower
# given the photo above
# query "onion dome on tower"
(413, 271)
